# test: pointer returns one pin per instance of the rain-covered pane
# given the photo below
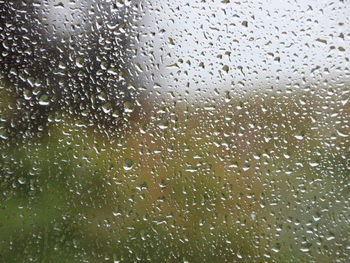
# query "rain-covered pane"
(174, 131)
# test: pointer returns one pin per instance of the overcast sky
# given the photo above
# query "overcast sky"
(256, 41)
(234, 45)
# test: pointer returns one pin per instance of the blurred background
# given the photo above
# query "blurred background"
(174, 131)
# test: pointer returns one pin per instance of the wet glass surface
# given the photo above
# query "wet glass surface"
(174, 131)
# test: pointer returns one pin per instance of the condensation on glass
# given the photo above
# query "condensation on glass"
(174, 131)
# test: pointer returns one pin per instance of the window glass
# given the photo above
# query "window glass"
(174, 131)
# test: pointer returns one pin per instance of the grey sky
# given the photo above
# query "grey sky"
(258, 41)
(238, 45)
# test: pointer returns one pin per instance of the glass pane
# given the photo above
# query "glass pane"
(174, 131)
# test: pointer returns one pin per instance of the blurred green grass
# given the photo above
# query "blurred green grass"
(230, 185)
